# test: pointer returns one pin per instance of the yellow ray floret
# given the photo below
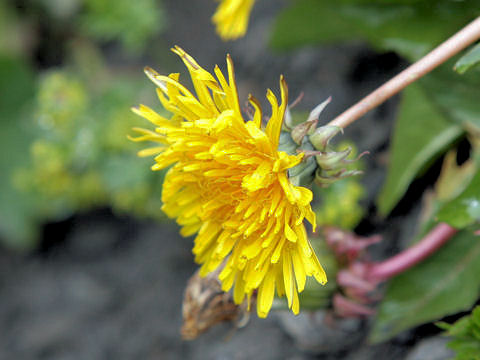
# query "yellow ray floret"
(228, 184)
(231, 18)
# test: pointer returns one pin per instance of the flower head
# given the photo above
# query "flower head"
(231, 18)
(228, 184)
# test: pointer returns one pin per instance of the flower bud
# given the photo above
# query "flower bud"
(320, 163)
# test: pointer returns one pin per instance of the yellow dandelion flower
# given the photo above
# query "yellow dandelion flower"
(231, 18)
(228, 184)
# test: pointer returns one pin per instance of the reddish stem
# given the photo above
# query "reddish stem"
(428, 245)
(468, 35)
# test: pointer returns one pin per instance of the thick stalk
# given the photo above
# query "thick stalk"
(465, 37)
(386, 269)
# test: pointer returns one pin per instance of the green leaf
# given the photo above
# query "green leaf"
(310, 22)
(465, 209)
(409, 27)
(454, 178)
(466, 336)
(16, 209)
(445, 283)
(456, 96)
(133, 22)
(470, 59)
(124, 171)
(421, 133)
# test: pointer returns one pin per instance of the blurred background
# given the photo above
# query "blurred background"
(90, 268)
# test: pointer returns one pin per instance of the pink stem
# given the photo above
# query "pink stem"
(428, 245)
(439, 55)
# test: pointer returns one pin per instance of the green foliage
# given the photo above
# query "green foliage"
(85, 158)
(466, 336)
(340, 204)
(421, 133)
(133, 22)
(456, 96)
(64, 131)
(16, 211)
(441, 297)
(60, 99)
(10, 31)
(410, 27)
(464, 210)
(80, 157)
(299, 25)
(454, 178)
(453, 101)
(434, 112)
(443, 284)
(59, 10)
(469, 60)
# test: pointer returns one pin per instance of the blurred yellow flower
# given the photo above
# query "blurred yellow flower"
(228, 184)
(231, 18)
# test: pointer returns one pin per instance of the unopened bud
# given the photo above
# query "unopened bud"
(328, 165)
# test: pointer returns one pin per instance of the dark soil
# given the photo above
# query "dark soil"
(102, 295)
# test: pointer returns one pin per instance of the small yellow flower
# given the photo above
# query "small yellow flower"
(228, 184)
(231, 18)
